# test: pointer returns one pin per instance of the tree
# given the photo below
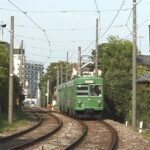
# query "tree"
(4, 80)
(115, 61)
(4, 71)
(51, 75)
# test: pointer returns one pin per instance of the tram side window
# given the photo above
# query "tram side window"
(82, 90)
(95, 90)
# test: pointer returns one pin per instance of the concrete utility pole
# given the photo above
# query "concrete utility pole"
(10, 103)
(149, 38)
(79, 61)
(38, 91)
(61, 74)
(67, 68)
(134, 67)
(57, 84)
(47, 92)
(21, 61)
(96, 50)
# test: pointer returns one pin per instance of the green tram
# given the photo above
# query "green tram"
(82, 97)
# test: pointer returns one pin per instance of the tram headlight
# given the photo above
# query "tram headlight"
(79, 103)
(99, 101)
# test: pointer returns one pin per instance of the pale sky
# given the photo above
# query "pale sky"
(68, 24)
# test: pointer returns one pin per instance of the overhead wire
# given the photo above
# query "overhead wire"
(122, 4)
(25, 13)
(66, 11)
(98, 16)
(96, 5)
(20, 44)
(14, 35)
(69, 29)
(118, 11)
(130, 17)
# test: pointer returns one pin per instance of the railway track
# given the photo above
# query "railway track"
(80, 135)
(46, 126)
(71, 133)
(100, 135)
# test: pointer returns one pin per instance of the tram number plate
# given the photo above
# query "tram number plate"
(89, 81)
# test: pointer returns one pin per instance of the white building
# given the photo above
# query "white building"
(29, 73)
(19, 61)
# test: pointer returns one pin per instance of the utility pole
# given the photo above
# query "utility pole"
(38, 91)
(47, 91)
(61, 74)
(96, 49)
(57, 84)
(10, 103)
(149, 37)
(21, 61)
(24, 66)
(79, 61)
(67, 68)
(134, 67)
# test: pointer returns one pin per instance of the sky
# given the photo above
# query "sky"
(50, 28)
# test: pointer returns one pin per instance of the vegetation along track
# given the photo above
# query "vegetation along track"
(66, 138)
(47, 125)
(100, 135)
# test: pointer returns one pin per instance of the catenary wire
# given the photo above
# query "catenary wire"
(25, 13)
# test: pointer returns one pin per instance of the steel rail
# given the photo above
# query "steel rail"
(40, 120)
(114, 142)
(38, 139)
(80, 138)
(82, 135)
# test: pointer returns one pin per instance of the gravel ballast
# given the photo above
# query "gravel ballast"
(128, 138)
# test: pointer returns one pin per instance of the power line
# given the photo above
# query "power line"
(146, 20)
(31, 46)
(67, 11)
(45, 56)
(138, 2)
(25, 13)
(70, 29)
(123, 2)
(96, 6)
(33, 38)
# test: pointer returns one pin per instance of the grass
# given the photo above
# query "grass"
(146, 135)
(20, 119)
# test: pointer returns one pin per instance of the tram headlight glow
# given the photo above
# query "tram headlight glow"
(79, 103)
(99, 101)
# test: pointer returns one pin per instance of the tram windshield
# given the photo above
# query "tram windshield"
(89, 90)
(95, 90)
(82, 90)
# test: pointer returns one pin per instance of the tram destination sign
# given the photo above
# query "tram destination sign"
(89, 81)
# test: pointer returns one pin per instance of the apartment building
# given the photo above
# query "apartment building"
(33, 72)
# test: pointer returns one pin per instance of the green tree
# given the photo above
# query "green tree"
(115, 61)
(4, 80)
(143, 103)
(51, 75)
(4, 71)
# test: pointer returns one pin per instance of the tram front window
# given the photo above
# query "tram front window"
(82, 90)
(95, 90)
